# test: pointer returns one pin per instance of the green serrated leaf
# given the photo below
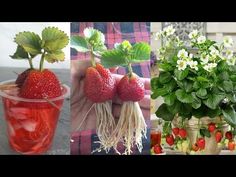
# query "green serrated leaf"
(223, 76)
(159, 92)
(196, 102)
(171, 85)
(213, 100)
(164, 77)
(202, 79)
(170, 99)
(54, 39)
(140, 52)
(79, 43)
(184, 97)
(30, 41)
(201, 93)
(230, 115)
(55, 56)
(164, 113)
(155, 83)
(227, 86)
(180, 75)
(165, 66)
(187, 85)
(231, 97)
(20, 53)
(113, 58)
(233, 77)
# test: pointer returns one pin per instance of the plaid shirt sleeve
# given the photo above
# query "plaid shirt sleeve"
(83, 142)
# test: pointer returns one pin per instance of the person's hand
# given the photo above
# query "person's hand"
(82, 110)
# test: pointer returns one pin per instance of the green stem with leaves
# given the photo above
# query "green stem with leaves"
(42, 61)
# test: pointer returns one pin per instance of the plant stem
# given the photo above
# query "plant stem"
(31, 63)
(92, 58)
(130, 70)
(42, 61)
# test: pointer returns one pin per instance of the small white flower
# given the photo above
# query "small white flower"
(190, 56)
(193, 64)
(158, 36)
(206, 67)
(229, 53)
(204, 59)
(214, 52)
(210, 66)
(228, 41)
(231, 61)
(181, 64)
(182, 54)
(201, 39)
(193, 34)
(169, 30)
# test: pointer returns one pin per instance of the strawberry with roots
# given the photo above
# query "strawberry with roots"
(131, 126)
(100, 85)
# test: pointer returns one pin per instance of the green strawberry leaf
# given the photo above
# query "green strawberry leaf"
(159, 92)
(95, 38)
(213, 100)
(113, 58)
(54, 39)
(20, 53)
(140, 52)
(164, 77)
(170, 99)
(230, 115)
(180, 75)
(201, 93)
(55, 56)
(164, 113)
(228, 86)
(184, 97)
(79, 43)
(30, 41)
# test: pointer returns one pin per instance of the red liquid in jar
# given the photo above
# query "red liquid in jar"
(31, 126)
(155, 138)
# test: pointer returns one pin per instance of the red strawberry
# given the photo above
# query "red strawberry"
(175, 131)
(99, 85)
(229, 135)
(182, 133)
(41, 84)
(231, 145)
(21, 78)
(130, 88)
(170, 139)
(157, 149)
(218, 136)
(201, 143)
(195, 147)
(211, 127)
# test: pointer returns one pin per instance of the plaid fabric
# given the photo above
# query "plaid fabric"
(83, 142)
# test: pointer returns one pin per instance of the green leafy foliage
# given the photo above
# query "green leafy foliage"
(164, 113)
(30, 41)
(230, 115)
(20, 53)
(125, 54)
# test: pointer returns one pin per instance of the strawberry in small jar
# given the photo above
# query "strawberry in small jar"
(33, 106)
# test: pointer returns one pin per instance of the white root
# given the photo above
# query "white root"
(105, 125)
(130, 129)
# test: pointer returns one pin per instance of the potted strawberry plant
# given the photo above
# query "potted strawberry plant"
(198, 85)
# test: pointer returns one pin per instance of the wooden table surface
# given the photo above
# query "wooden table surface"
(61, 141)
